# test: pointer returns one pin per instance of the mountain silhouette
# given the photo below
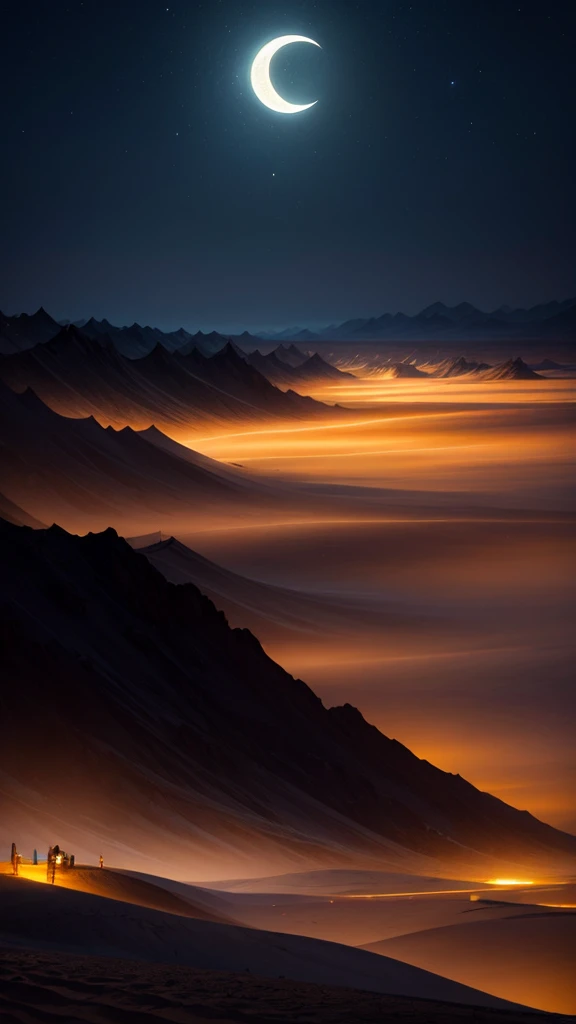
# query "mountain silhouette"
(79, 375)
(312, 370)
(458, 367)
(24, 330)
(84, 475)
(442, 323)
(513, 369)
(162, 727)
(407, 370)
(437, 322)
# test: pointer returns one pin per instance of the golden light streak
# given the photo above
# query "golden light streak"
(509, 881)
(324, 426)
(349, 455)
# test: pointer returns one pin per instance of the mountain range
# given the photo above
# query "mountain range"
(156, 727)
(81, 376)
(553, 321)
(25, 330)
(83, 475)
(439, 322)
(300, 375)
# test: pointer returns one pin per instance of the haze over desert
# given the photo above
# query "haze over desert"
(287, 513)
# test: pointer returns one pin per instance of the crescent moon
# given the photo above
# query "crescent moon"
(260, 76)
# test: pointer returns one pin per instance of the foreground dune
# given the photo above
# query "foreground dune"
(528, 954)
(48, 918)
(139, 890)
(64, 987)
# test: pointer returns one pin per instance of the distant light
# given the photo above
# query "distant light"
(508, 881)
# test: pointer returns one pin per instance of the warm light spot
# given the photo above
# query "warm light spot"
(508, 881)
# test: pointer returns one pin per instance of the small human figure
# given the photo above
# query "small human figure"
(101, 861)
(51, 865)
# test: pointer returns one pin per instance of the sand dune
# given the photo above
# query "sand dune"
(527, 951)
(361, 907)
(339, 882)
(355, 922)
(49, 918)
(93, 989)
(130, 887)
(359, 922)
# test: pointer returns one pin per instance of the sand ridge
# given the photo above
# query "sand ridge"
(54, 987)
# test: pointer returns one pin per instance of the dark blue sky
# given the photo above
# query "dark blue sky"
(142, 180)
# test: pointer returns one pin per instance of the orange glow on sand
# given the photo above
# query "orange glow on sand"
(435, 483)
(508, 881)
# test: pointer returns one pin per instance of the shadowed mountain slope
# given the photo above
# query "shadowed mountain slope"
(272, 612)
(277, 372)
(314, 370)
(80, 376)
(170, 734)
(290, 354)
(458, 367)
(513, 369)
(23, 331)
(18, 516)
(404, 370)
(84, 475)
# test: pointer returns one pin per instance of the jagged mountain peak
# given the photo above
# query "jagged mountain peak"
(169, 714)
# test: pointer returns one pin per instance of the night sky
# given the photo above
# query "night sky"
(141, 179)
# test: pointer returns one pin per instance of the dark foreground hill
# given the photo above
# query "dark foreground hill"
(86, 986)
(134, 720)
(49, 917)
